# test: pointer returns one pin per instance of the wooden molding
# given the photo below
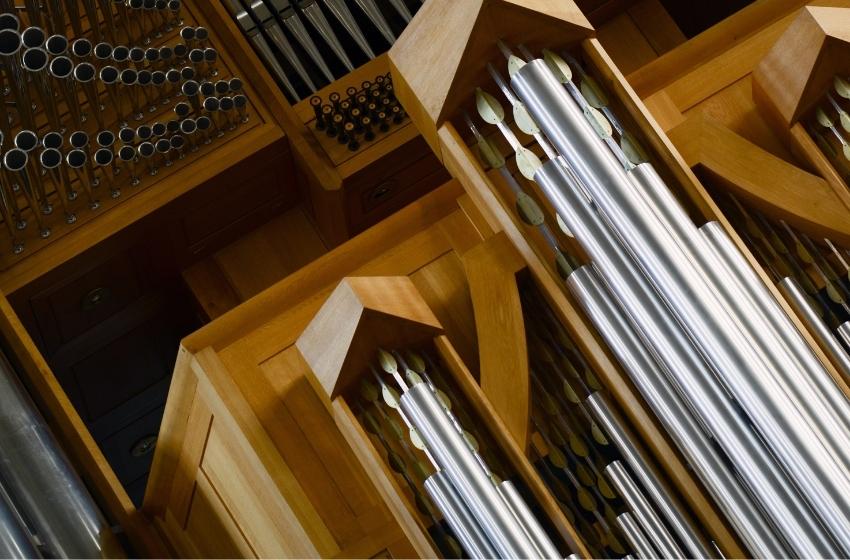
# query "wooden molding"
(361, 315)
(801, 65)
(491, 269)
(767, 182)
(440, 58)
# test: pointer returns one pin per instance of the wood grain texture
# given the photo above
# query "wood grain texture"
(360, 316)
(801, 64)
(709, 44)
(767, 182)
(492, 269)
(437, 62)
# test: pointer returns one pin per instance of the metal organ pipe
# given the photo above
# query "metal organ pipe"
(449, 449)
(463, 523)
(15, 540)
(741, 296)
(41, 482)
(650, 318)
(800, 303)
(844, 333)
(833, 400)
(680, 280)
(632, 531)
(643, 512)
(657, 490)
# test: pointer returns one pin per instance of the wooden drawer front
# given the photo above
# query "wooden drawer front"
(265, 182)
(70, 309)
(403, 177)
(130, 451)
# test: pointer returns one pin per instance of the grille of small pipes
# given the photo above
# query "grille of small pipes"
(829, 125)
(341, 35)
(94, 110)
(362, 117)
(753, 410)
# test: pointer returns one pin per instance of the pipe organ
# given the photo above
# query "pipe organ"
(509, 299)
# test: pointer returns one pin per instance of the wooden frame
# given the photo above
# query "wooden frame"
(363, 314)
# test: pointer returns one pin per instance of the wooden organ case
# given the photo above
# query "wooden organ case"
(466, 277)
(288, 429)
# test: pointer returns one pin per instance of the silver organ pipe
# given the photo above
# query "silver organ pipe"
(721, 332)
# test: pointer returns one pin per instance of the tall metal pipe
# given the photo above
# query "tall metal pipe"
(650, 319)
(844, 333)
(643, 512)
(452, 454)
(41, 481)
(798, 300)
(661, 495)
(15, 539)
(634, 534)
(463, 524)
(529, 522)
(832, 399)
(680, 280)
(796, 372)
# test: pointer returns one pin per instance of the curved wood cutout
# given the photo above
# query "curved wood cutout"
(491, 270)
(775, 186)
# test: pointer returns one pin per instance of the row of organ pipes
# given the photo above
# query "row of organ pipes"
(103, 109)
(759, 418)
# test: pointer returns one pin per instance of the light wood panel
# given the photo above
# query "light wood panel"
(492, 269)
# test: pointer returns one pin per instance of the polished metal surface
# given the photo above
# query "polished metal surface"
(682, 282)
(313, 12)
(41, 482)
(844, 333)
(797, 378)
(635, 536)
(825, 396)
(643, 511)
(808, 314)
(649, 318)
(15, 539)
(453, 456)
(659, 492)
(340, 10)
(512, 497)
(465, 527)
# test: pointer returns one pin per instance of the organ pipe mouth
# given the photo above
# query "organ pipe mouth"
(81, 48)
(76, 159)
(61, 67)
(10, 42)
(50, 158)
(15, 160)
(34, 60)
(84, 72)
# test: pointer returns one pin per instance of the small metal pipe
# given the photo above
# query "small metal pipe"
(61, 68)
(545, 547)
(638, 541)
(84, 74)
(614, 428)
(799, 301)
(77, 160)
(16, 161)
(643, 512)
(465, 527)
(454, 457)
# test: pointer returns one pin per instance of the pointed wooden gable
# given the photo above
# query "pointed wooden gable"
(360, 316)
(442, 55)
